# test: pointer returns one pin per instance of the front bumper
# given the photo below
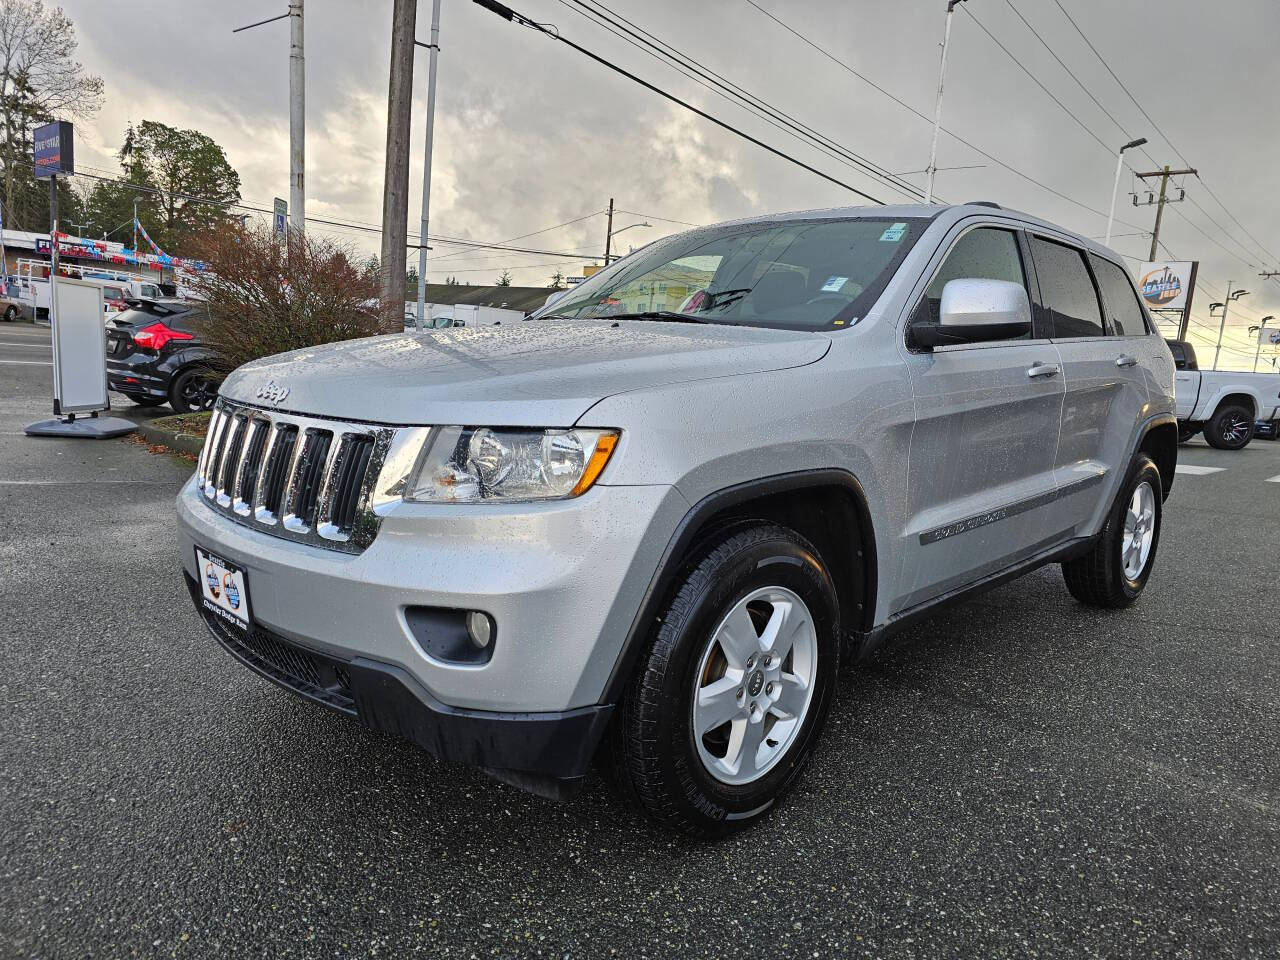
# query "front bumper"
(562, 581)
(546, 752)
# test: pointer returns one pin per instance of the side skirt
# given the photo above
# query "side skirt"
(865, 642)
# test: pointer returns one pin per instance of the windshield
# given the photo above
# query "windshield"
(795, 274)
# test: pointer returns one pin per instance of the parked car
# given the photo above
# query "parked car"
(1266, 429)
(114, 300)
(650, 535)
(154, 356)
(1224, 404)
(13, 307)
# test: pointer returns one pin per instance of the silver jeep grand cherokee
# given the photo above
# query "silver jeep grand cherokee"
(646, 523)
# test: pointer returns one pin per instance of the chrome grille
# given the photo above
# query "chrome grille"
(298, 477)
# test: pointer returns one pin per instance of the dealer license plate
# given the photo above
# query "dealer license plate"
(224, 589)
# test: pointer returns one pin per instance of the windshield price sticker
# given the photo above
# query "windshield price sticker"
(834, 284)
(893, 234)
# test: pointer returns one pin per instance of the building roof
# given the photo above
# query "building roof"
(513, 298)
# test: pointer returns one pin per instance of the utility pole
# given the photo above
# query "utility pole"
(395, 186)
(434, 47)
(937, 107)
(297, 121)
(135, 223)
(1260, 330)
(608, 234)
(1164, 176)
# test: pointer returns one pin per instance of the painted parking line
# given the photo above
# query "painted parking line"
(30, 363)
(1193, 470)
(1275, 479)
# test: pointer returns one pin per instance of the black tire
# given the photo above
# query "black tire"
(1230, 429)
(11, 313)
(1186, 433)
(655, 758)
(1098, 578)
(192, 390)
(143, 400)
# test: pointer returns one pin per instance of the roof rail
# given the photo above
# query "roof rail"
(984, 203)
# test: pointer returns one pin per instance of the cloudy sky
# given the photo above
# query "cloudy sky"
(530, 134)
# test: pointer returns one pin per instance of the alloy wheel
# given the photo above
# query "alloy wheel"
(1139, 531)
(1235, 428)
(754, 685)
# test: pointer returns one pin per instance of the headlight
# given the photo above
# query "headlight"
(468, 464)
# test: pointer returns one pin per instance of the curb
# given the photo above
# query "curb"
(182, 442)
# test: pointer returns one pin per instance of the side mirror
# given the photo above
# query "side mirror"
(976, 311)
(555, 296)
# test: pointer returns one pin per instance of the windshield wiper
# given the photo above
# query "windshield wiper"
(670, 315)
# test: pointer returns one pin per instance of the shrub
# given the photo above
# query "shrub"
(266, 296)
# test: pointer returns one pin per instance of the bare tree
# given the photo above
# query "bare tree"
(40, 78)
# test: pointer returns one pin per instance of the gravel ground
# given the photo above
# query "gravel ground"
(1021, 776)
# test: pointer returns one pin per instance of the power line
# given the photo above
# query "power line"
(1155, 126)
(951, 133)
(654, 216)
(668, 54)
(510, 15)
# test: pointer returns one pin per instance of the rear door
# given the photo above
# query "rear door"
(1106, 391)
(980, 479)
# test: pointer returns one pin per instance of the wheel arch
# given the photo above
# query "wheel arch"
(833, 515)
(1159, 441)
(1246, 400)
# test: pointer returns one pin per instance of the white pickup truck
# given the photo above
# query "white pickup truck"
(1223, 403)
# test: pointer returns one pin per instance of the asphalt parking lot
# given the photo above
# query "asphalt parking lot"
(1022, 776)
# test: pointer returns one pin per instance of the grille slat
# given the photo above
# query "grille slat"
(299, 477)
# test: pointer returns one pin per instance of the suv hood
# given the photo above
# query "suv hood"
(534, 373)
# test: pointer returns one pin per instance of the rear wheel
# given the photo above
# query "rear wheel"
(1113, 573)
(731, 695)
(1230, 429)
(11, 313)
(192, 390)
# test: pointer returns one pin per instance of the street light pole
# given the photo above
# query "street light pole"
(1115, 187)
(1257, 351)
(937, 107)
(613, 233)
(434, 47)
(1222, 327)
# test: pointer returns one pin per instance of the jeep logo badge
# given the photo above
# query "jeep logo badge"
(272, 393)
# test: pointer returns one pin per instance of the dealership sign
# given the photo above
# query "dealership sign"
(54, 149)
(1165, 286)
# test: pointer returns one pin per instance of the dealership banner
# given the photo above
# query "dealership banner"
(1167, 285)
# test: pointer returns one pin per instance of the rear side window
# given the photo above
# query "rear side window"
(1066, 290)
(986, 253)
(1122, 300)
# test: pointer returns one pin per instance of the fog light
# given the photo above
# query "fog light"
(479, 628)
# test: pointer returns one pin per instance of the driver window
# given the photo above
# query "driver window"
(986, 253)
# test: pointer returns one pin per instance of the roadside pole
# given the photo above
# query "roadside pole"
(297, 120)
(937, 107)
(395, 184)
(1164, 176)
(608, 233)
(434, 47)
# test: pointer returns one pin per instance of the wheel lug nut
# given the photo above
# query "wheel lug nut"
(769, 689)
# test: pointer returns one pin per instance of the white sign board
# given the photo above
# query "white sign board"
(1164, 286)
(79, 347)
(1269, 336)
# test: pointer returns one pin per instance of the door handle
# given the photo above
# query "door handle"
(1124, 360)
(1043, 370)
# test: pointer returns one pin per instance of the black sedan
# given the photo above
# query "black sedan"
(154, 356)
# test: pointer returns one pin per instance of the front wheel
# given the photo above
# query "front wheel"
(1113, 573)
(1185, 433)
(731, 695)
(1230, 429)
(11, 313)
(192, 390)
